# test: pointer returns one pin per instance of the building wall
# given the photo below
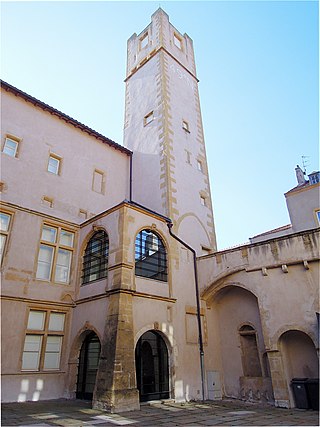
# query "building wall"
(282, 275)
(42, 134)
(302, 206)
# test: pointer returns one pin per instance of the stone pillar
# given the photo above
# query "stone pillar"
(116, 379)
(279, 383)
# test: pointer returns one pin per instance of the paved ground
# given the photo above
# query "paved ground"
(76, 413)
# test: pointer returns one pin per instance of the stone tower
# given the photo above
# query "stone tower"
(163, 128)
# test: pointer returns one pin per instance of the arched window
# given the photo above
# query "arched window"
(150, 256)
(250, 353)
(95, 260)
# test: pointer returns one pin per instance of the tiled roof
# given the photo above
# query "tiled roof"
(275, 230)
(45, 107)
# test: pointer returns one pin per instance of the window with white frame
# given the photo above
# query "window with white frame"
(318, 216)
(55, 254)
(10, 146)
(5, 220)
(54, 164)
(43, 341)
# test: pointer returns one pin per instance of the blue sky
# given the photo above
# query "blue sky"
(257, 62)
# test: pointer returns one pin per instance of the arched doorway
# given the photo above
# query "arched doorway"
(299, 356)
(152, 367)
(88, 366)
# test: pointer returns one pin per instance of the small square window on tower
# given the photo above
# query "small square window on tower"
(11, 145)
(177, 41)
(148, 118)
(185, 126)
(144, 41)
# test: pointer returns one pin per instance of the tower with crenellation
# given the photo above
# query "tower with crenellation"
(163, 128)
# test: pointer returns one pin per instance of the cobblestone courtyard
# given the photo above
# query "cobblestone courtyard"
(226, 413)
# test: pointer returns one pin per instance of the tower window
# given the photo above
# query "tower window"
(95, 259)
(177, 41)
(148, 118)
(144, 41)
(203, 200)
(150, 256)
(199, 164)
(185, 126)
(188, 157)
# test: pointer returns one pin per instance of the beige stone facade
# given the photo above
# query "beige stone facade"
(99, 296)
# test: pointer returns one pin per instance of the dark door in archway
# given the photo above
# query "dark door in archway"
(88, 366)
(152, 367)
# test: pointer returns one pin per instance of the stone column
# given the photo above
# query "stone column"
(116, 379)
(279, 383)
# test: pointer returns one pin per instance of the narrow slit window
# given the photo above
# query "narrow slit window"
(203, 200)
(144, 41)
(148, 118)
(199, 164)
(177, 41)
(185, 126)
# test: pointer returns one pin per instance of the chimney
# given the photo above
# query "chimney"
(300, 175)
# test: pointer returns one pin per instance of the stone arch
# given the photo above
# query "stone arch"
(299, 357)
(238, 380)
(156, 261)
(83, 246)
(164, 330)
(75, 348)
(152, 360)
(191, 215)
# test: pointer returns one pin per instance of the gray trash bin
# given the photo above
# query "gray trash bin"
(313, 393)
(299, 388)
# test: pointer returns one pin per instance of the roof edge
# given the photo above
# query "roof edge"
(45, 107)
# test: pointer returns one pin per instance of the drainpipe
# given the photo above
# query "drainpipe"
(130, 179)
(170, 225)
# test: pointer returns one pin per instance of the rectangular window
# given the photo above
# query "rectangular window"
(43, 341)
(203, 200)
(10, 146)
(144, 40)
(98, 181)
(148, 118)
(55, 254)
(177, 41)
(54, 164)
(318, 217)
(5, 220)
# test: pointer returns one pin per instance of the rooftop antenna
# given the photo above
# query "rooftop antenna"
(305, 163)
